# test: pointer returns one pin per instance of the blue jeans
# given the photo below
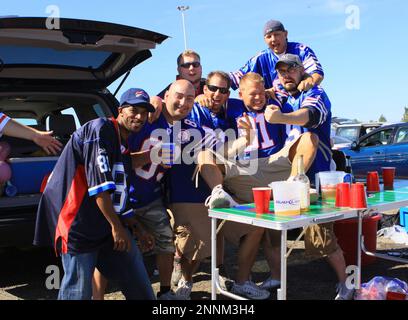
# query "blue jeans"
(126, 268)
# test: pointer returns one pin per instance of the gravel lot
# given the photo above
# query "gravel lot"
(22, 274)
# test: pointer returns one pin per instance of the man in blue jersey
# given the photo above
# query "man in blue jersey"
(310, 111)
(266, 158)
(191, 223)
(45, 140)
(275, 36)
(85, 204)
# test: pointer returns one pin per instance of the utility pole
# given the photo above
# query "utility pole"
(182, 9)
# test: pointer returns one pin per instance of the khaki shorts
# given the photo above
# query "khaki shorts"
(276, 167)
(320, 240)
(155, 219)
(192, 228)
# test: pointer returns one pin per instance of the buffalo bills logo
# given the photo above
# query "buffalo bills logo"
(142, 94)
(183, 136)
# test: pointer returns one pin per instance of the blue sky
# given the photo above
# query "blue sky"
(365, 64)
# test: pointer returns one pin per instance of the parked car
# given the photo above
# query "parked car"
(56, 79)
(353, 131)
(384, 146)
(340, 142)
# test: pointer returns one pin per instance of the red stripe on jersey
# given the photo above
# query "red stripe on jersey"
(71, 207)
(2, 118)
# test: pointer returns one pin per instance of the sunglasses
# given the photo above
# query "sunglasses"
(215, 88)
(187, 65)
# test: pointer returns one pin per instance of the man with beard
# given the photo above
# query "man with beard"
(303, 112)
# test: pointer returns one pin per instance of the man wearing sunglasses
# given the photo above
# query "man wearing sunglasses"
(189, 68)
(275, 36)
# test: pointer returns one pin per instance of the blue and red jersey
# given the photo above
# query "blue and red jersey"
(188, 138)
(319, 106)
(264, 64)
(270, 138)
(92, 162)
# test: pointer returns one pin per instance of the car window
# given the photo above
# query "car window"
(379, 138)
(402, 135)
(351, 133)
(27, 121)
(90, 59)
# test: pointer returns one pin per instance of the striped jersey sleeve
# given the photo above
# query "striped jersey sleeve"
(309, 60)
(3, 121)
(316, 104)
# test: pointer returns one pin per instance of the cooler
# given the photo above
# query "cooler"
(28, 173)
(346, 233)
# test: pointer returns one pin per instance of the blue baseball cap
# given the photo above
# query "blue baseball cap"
(273, 25)
(136, 97)
(290, 59)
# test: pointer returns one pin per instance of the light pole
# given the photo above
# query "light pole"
(182, 9)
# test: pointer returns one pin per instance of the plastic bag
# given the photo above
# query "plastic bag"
(377, 288)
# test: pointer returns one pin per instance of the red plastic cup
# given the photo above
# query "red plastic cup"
(358, 198)
(373, 181)
(262, 197)
(388, 174)
(395, 295)
(343, 195)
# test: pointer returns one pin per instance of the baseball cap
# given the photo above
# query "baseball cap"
(289, 59)
(136, 97)
(273, 25)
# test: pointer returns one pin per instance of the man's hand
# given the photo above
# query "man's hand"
(245, 124)
(204, 101)
(156, 156)
(270, 93)
(146, 239)
(306, 84)
(157, 103)
(46, 141)
(273, 114)
(121, 239)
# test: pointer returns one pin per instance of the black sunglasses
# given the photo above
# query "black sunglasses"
(215, 88)
(187, 65)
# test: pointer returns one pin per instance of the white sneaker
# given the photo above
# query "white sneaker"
(220, 199)
(250, 290)
(183, 290)
(270, 283)
(344, 293)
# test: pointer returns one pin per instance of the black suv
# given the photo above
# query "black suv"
(56, 79)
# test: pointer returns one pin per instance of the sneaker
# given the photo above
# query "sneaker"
(250, 290)
(270, 283)
(225, 283)
(183, 290)
(169, 295)
(344, 293)
(220, 199)
(176, 274)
